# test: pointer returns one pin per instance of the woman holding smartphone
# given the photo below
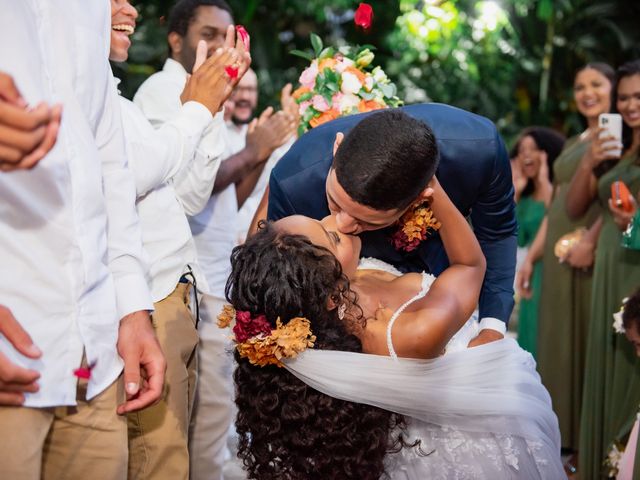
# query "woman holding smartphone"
(612, 386)
(565, 294)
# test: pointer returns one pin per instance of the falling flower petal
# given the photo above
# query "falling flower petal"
(231, 71)
(363, 16)
(84, 372)
(244, 35)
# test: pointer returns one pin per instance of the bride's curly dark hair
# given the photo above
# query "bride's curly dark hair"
(287, 430)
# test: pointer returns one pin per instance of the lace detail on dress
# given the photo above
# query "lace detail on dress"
(370, 263)
(424, 288)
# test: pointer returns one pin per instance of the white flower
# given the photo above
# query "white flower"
(350, 83)
(368, 83)
(379, 75)
(343, 64)
(348, 101)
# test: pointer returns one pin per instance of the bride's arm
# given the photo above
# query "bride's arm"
(453, 296)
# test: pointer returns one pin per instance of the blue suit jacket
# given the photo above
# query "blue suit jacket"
(474, 170)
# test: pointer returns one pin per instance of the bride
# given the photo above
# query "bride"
(389, 389)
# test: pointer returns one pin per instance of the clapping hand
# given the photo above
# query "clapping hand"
(211, 83)
(269, 131)
(288, 103)
(26, 134)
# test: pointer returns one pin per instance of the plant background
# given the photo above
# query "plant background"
(512, 61)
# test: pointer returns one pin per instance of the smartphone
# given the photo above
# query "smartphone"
(612, 123)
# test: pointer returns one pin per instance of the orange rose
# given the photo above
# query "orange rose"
(324, 118)
(326, 63)
(298, 92)
(369, 105)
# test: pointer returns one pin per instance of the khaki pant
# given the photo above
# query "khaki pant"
(158, 434)
(85, 441)
(213, 412)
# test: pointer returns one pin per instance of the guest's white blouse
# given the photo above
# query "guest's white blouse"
(70, 248)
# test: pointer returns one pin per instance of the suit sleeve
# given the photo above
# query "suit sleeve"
(495, 226)
(279, 203)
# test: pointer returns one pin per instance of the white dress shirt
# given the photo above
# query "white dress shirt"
(174, 169)
(237, 139)
(70, 250)
(214, 228)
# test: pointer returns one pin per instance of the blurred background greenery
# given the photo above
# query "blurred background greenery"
(512, 61)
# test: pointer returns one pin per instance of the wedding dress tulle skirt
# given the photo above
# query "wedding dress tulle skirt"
(479, 413)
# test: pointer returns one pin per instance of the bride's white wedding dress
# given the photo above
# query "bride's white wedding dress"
(479, 413)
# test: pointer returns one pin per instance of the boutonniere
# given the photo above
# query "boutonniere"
(414, 226)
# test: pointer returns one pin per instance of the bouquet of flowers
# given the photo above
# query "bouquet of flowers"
(340, 82)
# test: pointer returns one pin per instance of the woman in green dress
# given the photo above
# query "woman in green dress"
(536, 150)
(566, 283)
(612, 385)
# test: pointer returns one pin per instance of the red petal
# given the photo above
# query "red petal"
(244, 35)
(231, 71)
(363, 16)
(82, 372)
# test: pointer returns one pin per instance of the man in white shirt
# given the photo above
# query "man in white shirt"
(70, 256)
(174, 169)
(283, 124)
(214, 228)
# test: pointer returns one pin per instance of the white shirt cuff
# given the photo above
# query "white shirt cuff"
(132, 294)
(194, 118)
(493, 324)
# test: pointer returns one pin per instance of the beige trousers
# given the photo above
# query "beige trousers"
(158, 435)
(66, 443)
(212, 412)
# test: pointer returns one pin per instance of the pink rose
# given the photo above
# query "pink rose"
(308, 76)
(319, 103)
(303, 107)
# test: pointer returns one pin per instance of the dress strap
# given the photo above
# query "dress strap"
(424, 288)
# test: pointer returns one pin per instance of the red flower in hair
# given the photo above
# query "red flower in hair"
(244, 35)
(247, 327)
(363, 16)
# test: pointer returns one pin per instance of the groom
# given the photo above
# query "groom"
(369, 178)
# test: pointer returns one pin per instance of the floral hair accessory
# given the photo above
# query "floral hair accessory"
(262, 345)
(340, 82)
(618, 324)
(414, 226)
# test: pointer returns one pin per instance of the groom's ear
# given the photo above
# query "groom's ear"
(427, 193)
(337, 142)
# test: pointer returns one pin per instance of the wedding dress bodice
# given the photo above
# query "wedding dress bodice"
(458, 342)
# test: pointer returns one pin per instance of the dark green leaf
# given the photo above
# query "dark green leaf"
(316, 43)
(300, 53)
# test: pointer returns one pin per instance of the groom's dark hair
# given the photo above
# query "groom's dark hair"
(386, 160)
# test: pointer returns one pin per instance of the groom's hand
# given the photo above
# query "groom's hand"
(485, 336)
